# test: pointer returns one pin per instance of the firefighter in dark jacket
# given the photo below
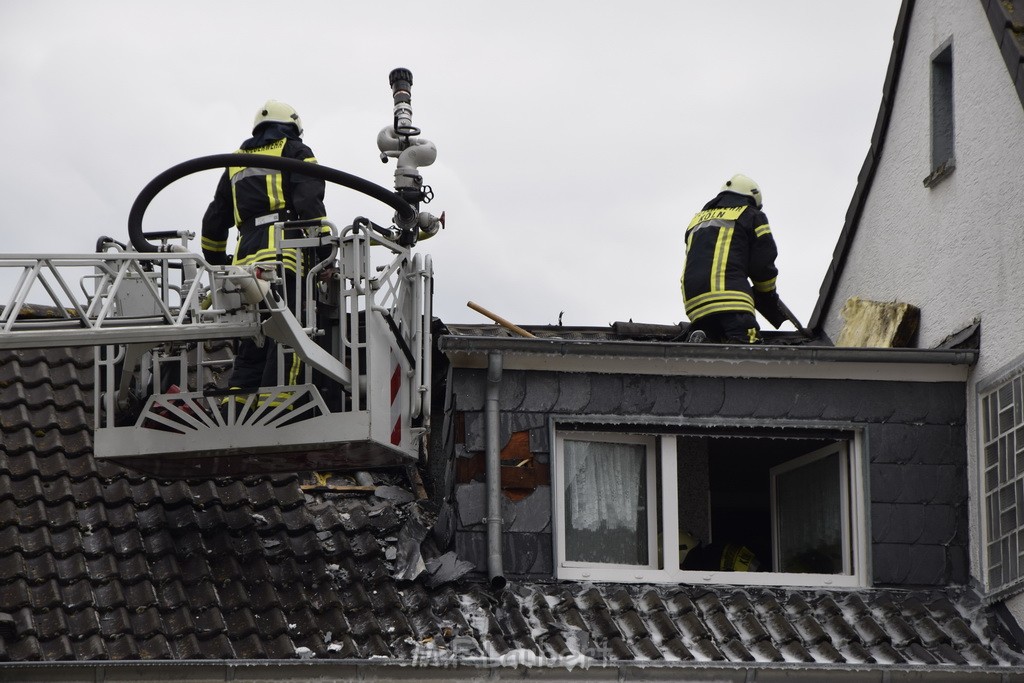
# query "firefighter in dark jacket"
(252, 199)
(730, 267)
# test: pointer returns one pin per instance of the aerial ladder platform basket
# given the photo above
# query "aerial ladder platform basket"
(161, 322)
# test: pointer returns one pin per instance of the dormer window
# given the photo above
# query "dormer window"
(942, 130)
(702, 504)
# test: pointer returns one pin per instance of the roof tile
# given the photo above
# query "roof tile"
(215, 647)
(884, 653)
(33, 515)
(209, 622)
(79, 459)
(281, 647)
(248, 646)
(77, 594)
(44, 596)
(164, 570)
(303, 623)
(133, 568)
(271, 623)
(58, 649)
(93, 648)
(645, 649)
(916, 653)
(57, 490)
(178, 622)
(140, 595)
(824, 651)
(40, 568)
(175, 494)
(91, 516)
(84, 622)
(12, 564)
(25, 649)
(123, 648)
(102, 568)
(109, 596)
(154, 648)
(202, 595)
(262, 596)
(794, 651)
(15, 594)
(51, 466)
(8, 513)
(241, 623)
(705, 650)
(186, 647)
(97, 543)
(675, 649)
(146, 622)
(115, 623)
(693, 629)
(811, 633)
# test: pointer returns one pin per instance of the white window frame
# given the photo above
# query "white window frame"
(614, 572)
(841, 449)
(664, 568)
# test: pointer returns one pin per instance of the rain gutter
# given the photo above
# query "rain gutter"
(444, 667)
(673, 358)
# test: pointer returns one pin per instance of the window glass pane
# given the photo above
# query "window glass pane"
(809, 508)
(605, 502)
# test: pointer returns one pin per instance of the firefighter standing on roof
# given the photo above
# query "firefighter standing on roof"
(252, 199)
(730, 267)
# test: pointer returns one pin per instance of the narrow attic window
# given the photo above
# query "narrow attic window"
(943, 160)
(1002, 434)
(710, 505)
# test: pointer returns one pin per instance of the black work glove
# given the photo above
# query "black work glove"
(767, 304)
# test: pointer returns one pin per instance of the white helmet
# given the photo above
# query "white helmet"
(277, 112)
(741, 184)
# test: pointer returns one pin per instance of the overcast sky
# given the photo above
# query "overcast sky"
(575, 139)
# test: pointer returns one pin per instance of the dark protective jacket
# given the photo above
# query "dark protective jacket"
(252, 199)
(730, 261)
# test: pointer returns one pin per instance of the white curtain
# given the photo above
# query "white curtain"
(605, 495)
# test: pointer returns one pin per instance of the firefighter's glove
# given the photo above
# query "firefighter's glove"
(767, 304)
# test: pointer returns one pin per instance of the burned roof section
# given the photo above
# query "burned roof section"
(101, 564)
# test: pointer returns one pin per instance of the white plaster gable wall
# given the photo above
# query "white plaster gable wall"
(956, 250)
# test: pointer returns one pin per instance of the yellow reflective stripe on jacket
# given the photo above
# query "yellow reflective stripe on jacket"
(287, 257)
(275, 179)
(718, 302)
(296, 367)
(208, 244)
(762, 230)
(765, 286)
(275, 191)
(730, 295)
(721, 259)
(724, 214)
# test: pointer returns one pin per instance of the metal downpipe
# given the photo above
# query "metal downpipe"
(492, 430)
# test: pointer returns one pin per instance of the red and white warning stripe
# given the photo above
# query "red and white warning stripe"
(396, 402)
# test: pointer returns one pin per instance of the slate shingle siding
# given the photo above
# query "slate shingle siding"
(915, 440)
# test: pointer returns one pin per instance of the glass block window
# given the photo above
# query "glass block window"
(1002, 433)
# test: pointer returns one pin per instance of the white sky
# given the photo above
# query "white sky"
(575, 139)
